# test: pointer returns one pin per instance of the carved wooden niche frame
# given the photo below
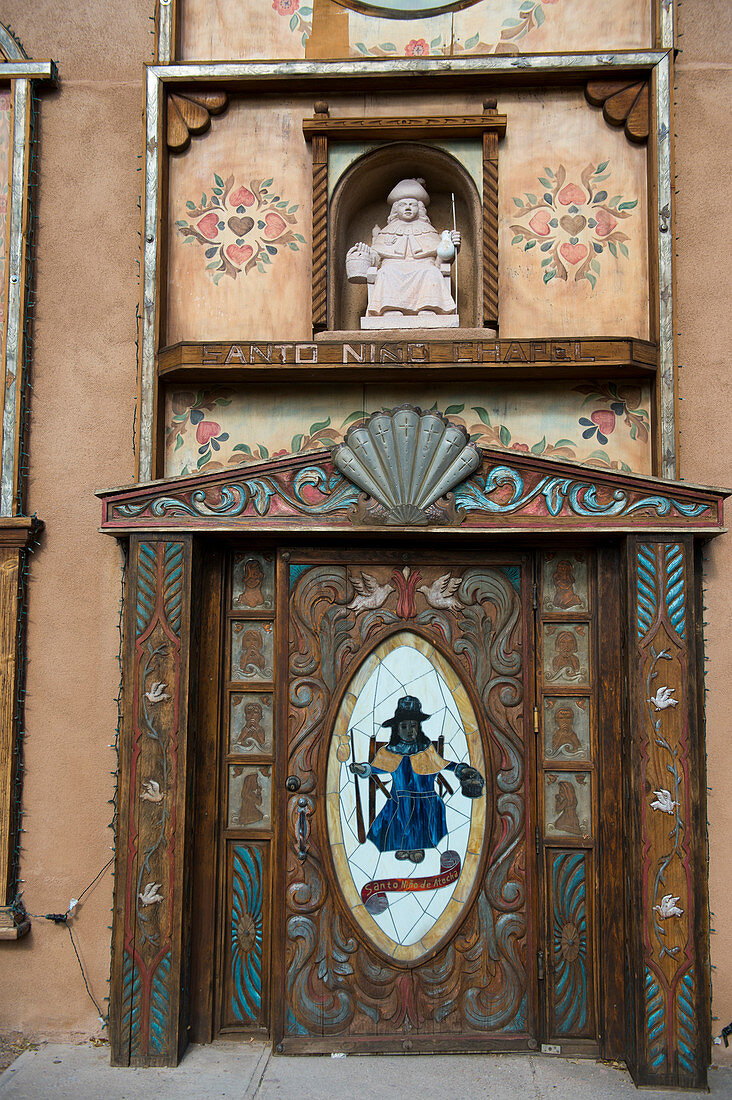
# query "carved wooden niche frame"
(394, 135)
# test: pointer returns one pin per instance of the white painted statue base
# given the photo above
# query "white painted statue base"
(410, 320)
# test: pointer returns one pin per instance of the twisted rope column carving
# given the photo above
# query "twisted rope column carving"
(490, 229)
(320, 232)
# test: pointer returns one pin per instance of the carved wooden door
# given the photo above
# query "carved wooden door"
(407, 918)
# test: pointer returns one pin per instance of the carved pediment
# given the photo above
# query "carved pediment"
(508, 492)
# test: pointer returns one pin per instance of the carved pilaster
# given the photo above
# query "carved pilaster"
(490, 220)
(151, 910)
(320, 232)
(666, 818)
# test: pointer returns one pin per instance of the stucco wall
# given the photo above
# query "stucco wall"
(81, 440)
(704, 230)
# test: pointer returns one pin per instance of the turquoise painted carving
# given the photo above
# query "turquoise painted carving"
(246, 934)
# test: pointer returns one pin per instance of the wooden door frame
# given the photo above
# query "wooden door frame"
(666, 1026)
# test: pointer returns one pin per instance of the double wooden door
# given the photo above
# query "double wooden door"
(408, 848)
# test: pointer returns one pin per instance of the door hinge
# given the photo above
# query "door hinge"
(537, 841)
(540, 965)
(536, 595)
(536, 719)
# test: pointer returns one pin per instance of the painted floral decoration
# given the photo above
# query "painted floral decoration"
(574, 223)
(301, 19)
(623, 401)
(242, 227)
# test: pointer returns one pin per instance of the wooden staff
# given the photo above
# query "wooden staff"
(360, 830)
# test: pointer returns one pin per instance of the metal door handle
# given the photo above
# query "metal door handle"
(302, 829)
(292, 783)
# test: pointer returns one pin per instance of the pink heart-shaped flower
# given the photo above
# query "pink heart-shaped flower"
(209, 226)
(241, 197)
(605, 420)
(206, 430)
(540, 223)
(273, 225)
(605, 223)
(573, 253)
(239, 253)
(571, 193)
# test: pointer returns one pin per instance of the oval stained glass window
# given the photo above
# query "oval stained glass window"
(406, 796)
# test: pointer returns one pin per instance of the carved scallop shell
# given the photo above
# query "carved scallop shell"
(406, 460)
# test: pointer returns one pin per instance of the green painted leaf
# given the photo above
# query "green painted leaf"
(565, 443)
(624, 249)
(549, 275)
(242, 447)
(519, 202)
(292, 209)
(544, 182)
(300, 237)
(453, 410)
(360, 46)
(182, 223)
(628, 205)
(388, 46)
(517, 239)
(539, 16)
(203, 200)
(613, 249)
(210, 267)
(594, 264)
(294, 21)
(435, 42)
(548, 172)
(354, 416)
(218, 190)
(223, 401)
(472, 41)
(532, 198)
(296, 443)
(505, 435)
(306, 11)
(293, 246)
(264, 453)
(528, 245)
(318, 425)
(178, 441)
(591, 279)
(191, 205)
(483, 414)
(267, 183)
(540, 447)
(602, 167)
(203, 460)
(547, 261)
(615, 200)
(218, 180)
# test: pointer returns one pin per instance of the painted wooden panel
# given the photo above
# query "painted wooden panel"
(250, 797)
(224, 29)
(572, 214)
(602, 424)
(672, 1000)
(252, 581)
(252, 650)
(573, 235)
(239, 228)
(246, 937)
(570, 970)
(250, 723)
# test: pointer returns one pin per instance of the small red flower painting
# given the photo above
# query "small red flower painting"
(573, 223)
(242, 227)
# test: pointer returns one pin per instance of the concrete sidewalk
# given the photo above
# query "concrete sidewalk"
(248, 1071)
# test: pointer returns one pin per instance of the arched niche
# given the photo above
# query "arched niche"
(359, 202)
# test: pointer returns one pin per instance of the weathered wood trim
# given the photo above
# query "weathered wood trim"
(320, 232)
(407, 128)
(150, 984)
(669, 1044)
(15, 536)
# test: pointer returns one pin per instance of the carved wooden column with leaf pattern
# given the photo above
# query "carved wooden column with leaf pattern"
(152, 908)
(666, 816)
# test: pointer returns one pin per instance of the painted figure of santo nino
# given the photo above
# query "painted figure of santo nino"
(407, 265)
(414, 815)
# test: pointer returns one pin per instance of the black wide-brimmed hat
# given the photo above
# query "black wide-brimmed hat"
(408, 707)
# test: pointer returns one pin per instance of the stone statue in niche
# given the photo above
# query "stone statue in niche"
(407, 266)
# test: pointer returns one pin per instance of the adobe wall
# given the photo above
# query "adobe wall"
(82, 410)
(704, 135)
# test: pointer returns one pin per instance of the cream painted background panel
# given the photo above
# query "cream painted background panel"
(565, 134)
(250, 144)
(226, 29)
(226, 426)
